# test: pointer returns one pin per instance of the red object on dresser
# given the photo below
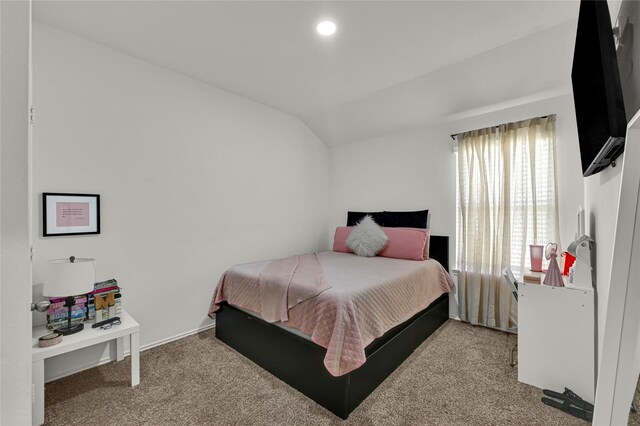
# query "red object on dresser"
(568, 262)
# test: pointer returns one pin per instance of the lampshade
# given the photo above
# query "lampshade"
(69, 277)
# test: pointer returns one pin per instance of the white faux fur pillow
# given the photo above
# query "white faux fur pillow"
(367, 238)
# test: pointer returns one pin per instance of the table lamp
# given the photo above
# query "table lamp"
(68, 278)
(581, 273)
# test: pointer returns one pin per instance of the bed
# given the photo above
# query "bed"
(301, 358)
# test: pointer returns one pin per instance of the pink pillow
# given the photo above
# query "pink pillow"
(340, 239)
(406, 243)
(426, 246)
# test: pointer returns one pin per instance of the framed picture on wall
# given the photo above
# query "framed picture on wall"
(70, 214)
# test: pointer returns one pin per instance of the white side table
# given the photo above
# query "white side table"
(87, 337)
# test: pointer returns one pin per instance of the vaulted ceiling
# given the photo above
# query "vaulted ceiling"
(391, 66)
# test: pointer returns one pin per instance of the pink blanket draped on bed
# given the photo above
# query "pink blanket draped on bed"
(368, 297)
(286, 282)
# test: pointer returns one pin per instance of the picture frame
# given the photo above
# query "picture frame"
(70, 214)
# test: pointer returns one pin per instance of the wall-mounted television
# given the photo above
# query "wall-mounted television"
(597, 90)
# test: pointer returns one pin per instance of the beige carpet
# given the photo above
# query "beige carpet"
(459, 376)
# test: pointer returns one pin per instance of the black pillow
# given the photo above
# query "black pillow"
(417, 219)
(354, 217)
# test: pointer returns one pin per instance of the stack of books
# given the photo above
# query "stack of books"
(58, 313)
(109, 300)
(531, 278)
(105, 298)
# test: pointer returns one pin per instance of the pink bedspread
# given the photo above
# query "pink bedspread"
(286, 282)
(368, 297)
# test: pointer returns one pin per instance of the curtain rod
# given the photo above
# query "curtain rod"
(456, 134)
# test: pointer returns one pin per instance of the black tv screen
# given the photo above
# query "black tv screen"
(597, 91)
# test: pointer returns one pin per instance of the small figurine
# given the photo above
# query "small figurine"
(554, 275)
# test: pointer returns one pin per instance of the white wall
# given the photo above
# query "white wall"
(602, 195)
(416, 170)
(409, 171)
(192, 181)
(15, 268)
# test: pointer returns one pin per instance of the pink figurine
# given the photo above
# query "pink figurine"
(554, 275)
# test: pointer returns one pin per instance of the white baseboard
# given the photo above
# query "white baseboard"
(107, 359)
(176, 337)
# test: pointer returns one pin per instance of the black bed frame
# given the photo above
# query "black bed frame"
(300, 362)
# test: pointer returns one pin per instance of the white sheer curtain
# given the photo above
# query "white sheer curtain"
(507, 189)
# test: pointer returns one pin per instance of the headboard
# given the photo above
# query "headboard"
(439, 249)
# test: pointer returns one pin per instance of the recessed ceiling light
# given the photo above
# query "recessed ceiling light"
(326, 28)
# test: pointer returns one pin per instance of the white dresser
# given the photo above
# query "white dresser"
(556, 338)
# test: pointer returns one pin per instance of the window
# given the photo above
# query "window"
(520, 160)
(506, 200)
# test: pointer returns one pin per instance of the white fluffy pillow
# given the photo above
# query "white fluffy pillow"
(367, 238)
